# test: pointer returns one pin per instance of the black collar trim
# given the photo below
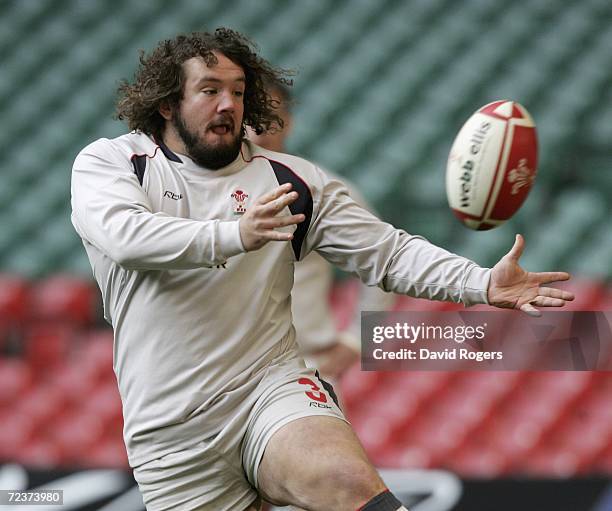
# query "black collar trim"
(167, 152)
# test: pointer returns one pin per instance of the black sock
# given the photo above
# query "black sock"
(384, 501)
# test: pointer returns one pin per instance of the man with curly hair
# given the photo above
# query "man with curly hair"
(192, 233)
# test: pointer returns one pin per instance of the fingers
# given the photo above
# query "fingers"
(517, 249)
(548, 277)
(552, 292)
(267, 228)
(546, 301)
(259, 224)
(530, 310)
(276, 236)
(282, 221)
(551, 297)
(274, 206)
(274, 194)
(547, 297)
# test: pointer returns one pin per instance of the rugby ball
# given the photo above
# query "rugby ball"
(492, 165)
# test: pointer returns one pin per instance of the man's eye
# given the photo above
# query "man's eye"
(238, 93)
(209, 92)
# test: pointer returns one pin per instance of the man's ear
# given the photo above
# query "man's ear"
(165, 110)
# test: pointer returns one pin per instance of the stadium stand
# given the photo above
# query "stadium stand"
(59, 404)
(382, 88)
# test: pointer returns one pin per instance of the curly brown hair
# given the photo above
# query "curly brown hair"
(161, 78)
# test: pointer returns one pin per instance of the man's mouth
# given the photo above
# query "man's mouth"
(221, 128)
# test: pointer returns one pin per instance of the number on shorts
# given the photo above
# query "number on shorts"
(315, 393)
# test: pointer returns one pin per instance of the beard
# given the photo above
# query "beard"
(205, 155)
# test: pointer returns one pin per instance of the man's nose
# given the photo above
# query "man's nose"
(227, 102)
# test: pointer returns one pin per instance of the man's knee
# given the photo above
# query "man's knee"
(351, 480)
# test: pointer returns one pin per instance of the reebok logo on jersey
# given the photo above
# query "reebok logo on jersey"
(240, 198)
(172, 195)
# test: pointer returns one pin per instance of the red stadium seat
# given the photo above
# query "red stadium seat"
(48, 346)
(585, 438)
(73, 381)
(603, 463)
(95, 354)
(65, 299)
(455, 404)
(355, 385)
(398, 456)
(605, 302)
(477, 461)
(512, 437)
(536, 406)
(42, 404)
(552, 462)
(75, 434)
(595, 406)
(15, 381)
(110, 453)
(16, 431)
(385, 417)
(437, 438)
(14, 298)
(104, 404)
(589, 294)
(423, 384)
(40, 454)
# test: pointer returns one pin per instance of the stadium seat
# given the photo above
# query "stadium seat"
(437, 439)
(47, 346)
(384, 417)
(66, 299)
(40, 454)
(602, 465)
(14, 299)
(583, 436)
(512, 438)
(75, 434)
(16, 431)
(73, 380)
(399, 456)
(477, 461)
(95, 354)
(356, 385)
(588, 294)
(104, 404)
(16, 379)
(546, 462)
(43, 403)
(110, 453)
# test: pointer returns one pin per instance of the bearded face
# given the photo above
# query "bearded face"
(208, 120)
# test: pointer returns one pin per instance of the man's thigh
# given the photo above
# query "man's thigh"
(299, 450)
(317, 463)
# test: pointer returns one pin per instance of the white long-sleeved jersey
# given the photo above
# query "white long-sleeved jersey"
(313, 280)
(196, 318)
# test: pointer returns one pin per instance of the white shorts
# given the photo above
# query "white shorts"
(220, 473)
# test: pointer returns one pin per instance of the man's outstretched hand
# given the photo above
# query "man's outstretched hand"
(511, 287)
(258, 225)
